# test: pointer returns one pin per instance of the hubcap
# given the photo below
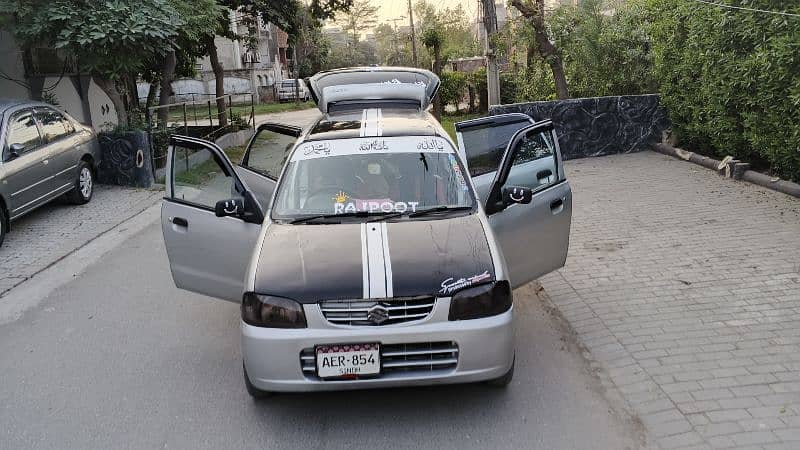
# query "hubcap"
(85, 182)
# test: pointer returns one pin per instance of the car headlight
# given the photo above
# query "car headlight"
(272, 312)
(481, 301)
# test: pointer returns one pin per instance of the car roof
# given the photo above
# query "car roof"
(374, 122)
(8, 103)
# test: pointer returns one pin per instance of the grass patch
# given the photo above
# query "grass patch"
(200, 112)
(448, 122)
(203, 173)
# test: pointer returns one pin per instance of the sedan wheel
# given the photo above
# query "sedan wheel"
(84, 185)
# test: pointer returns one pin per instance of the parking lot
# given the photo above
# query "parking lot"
(685, 287)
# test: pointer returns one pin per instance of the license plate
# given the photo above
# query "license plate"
(348, 360)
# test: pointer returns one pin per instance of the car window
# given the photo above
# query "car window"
(534, 163)
(268, 152)
(199, 178)
(52, 123)
(345, 182)
(484, 145)
(22, 129)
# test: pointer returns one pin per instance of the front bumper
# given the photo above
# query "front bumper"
(485, 350)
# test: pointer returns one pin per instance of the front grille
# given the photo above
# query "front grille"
(416, 357)
(375, 312)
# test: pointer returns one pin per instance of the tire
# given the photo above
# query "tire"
(84, 185)
(254, 392)
(3, 224)
(504, 380)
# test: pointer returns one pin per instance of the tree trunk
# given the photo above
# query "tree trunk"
(535, 15)
(151, 96)
(167, 74)
(219, 83)
(110, 88)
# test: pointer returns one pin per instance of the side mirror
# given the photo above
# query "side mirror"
(15, 150)
(233, 207)
(517, 194)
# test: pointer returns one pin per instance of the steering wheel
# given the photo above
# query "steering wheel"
(322, 198)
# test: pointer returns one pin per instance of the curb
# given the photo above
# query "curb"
(732, 168)
(32, 291)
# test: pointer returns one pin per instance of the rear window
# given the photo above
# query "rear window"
(289, 83)
(484, 145)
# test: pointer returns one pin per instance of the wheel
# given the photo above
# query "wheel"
(84, 185)
(504, 380)
(254, 392)
(3, 225)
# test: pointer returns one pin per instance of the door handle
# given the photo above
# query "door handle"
(557, 205)
(179, 221)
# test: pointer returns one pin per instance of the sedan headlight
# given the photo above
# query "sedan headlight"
(272, 312)
(481, 301)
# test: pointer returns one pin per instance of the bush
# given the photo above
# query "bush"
(731, 79)
(453, 88)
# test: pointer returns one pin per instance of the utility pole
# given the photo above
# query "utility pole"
(413, 34)
(492, 72)
(396, 47)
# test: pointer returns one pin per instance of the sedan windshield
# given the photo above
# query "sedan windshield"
(366, 184)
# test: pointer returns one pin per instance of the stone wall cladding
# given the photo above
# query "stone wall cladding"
(599, 126)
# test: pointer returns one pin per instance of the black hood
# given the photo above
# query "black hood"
(309, 263)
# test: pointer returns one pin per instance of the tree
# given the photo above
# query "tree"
(282, 13)
(533, 11)
(433, 39)
(361, 15)
(112, 40)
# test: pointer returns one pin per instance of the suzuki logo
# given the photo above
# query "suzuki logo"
(378, 314)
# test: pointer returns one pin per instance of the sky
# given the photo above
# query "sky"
(391, 9)
(394, 9)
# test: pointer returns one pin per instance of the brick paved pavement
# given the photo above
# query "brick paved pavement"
(55, 230)
(685, 288)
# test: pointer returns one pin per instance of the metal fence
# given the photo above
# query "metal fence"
(196, 116)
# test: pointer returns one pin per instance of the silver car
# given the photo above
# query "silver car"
(287, 91)
(370, 250)
(45, 154)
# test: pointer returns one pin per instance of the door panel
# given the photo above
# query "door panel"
(26, 175)
(534, 237)
(60, 148)
(192, 235)
(263, 161)
(207, 254)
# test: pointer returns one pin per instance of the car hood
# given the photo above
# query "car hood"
(309, 263)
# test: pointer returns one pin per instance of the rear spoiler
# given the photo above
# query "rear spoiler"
(364, 87)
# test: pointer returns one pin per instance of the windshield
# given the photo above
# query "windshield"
(372, 183)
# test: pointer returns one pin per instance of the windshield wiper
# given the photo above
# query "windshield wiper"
(437, 209)
(307, 219)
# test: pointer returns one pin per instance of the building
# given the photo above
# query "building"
(49, 74)
(248, 70)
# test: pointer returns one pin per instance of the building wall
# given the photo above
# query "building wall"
(11, 64)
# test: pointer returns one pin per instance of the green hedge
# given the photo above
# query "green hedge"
(731, 79)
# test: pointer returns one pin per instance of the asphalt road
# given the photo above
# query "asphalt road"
(120, 358)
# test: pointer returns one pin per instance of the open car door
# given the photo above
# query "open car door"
(213, 211)
(507, 151)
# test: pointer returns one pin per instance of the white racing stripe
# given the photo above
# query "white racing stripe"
(371, 123)
(375, 260)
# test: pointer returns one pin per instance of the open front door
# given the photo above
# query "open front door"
(207, 254)
(534, 237)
